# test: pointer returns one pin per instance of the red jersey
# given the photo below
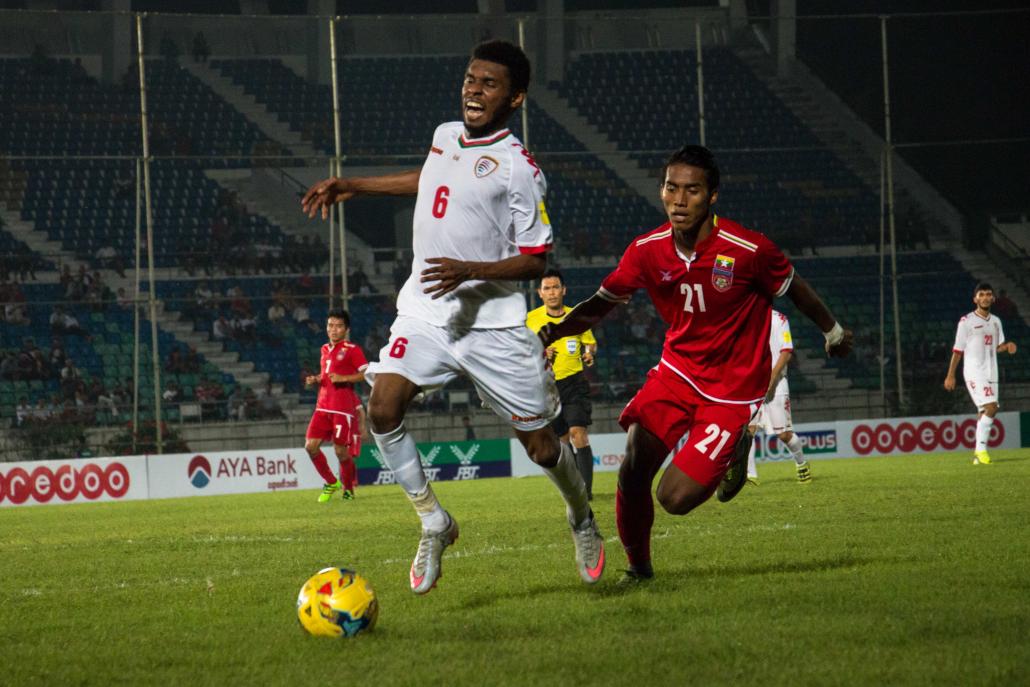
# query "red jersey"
(345, 358)
(716, 303)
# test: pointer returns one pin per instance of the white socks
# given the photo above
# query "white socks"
(752, 469)
(794, 446)
(400, 455)
(566, 477)
(983, 431)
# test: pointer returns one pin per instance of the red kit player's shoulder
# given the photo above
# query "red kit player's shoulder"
(654, 236)
(738, 234)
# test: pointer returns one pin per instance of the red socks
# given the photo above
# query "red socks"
(322, 466)
(349, 474)
(634, 515)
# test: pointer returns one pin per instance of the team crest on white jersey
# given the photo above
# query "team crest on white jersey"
(485, 166)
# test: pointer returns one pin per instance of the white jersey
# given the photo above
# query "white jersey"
(478, 200)
(780, 340)
(977, 339)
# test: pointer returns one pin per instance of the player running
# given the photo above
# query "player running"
(568, 357)
(979, 338)
(774, 417)
(479, 226)
(713, 282)
(336, 411)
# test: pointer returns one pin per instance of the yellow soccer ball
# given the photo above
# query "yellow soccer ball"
(337, 602)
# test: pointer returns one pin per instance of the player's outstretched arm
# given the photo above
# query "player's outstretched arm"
(328, 192)
(838, 339)
(445, 274)
(584, 316)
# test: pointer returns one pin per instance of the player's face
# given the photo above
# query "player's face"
(984, 300)
(336, 330)
(486, 97)
(551, 292)
(686, 197)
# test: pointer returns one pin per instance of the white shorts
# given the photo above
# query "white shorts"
(774, 417)
(982, 393)
(507, 367)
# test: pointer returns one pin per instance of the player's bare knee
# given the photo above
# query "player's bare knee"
(541, 446)
(677, 502)
(786, 436)
(384, 416)
(313, 446)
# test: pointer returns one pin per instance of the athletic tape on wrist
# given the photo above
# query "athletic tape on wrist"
(835, 335)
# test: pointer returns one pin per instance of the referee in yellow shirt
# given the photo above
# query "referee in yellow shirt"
(568, 356)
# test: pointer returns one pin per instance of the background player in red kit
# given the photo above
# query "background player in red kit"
(336, 416)
(713, 282)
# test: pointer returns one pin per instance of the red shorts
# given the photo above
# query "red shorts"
(334, 427)
(669, 407)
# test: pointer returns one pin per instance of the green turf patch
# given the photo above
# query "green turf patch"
(881, 571)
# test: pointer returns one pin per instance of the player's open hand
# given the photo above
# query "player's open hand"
(324, 195)
(444, 275)
(843, 347)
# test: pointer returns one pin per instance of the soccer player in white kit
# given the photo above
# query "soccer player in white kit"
(774, 418)
(479, 226)
(977, 341)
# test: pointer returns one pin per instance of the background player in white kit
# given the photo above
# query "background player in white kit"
(480, 204)
(979, 338)
(774, 417)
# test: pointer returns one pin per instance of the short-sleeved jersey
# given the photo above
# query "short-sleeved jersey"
(345, 358)
(978, 339)
(779, 341)
(717, 304)
(479, 200)
(569, 359)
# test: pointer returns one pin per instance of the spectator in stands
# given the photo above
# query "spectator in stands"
(268, 405)
(98, 295)
(169, 49)
(470, 432)
(62, 322)
(57, 355)
(22, 413)
(276, 313)
(109, 259)
(9, 368)
(42, 411)
(221, 330)
(245, 328)
(358, 282)
(40, 367)
(191, 363)
(101, 397)
(237, 405)
(69, 372)
(238, 302)
(175, 364)
(203, 300)
(172, 392)
(210, 394)
(302, 316)
(14, 306)
(123, 299)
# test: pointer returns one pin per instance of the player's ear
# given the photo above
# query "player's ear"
(517, 99)
(715, 197)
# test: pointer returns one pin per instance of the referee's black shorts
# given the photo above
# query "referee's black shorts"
(574, 392)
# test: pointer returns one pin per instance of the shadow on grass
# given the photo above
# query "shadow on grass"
(671, 579)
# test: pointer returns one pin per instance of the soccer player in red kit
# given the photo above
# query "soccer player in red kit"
(713, 282)
(336, 417)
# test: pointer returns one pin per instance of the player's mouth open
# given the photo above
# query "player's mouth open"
(473, 109)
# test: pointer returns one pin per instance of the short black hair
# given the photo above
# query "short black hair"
(340, 314)
(511, 56)
(695, 156)
(983, 286)
(552, 272)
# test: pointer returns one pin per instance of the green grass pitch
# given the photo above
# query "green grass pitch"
(899, 571)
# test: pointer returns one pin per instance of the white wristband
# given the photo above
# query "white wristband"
(835, 335)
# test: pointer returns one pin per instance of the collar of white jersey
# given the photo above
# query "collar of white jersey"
(485, 141)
